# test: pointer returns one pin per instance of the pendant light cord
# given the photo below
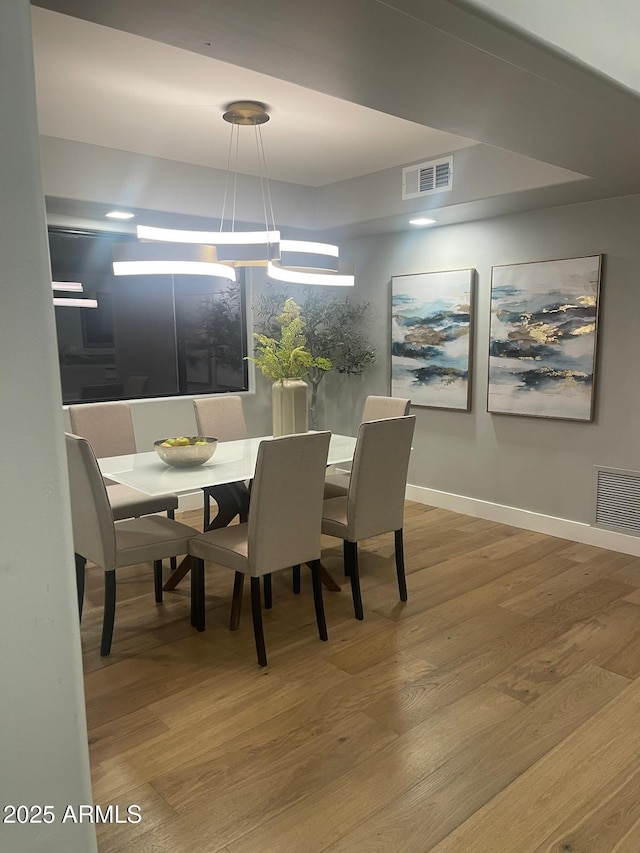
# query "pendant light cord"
(263, 175)
(264, 182)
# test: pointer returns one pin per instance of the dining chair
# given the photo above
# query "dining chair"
(109, 429)
(283, 528)
(374, 503)
(222, 417)
(375, 409)
(110, 544)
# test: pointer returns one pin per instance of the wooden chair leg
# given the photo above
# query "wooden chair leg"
(351, 561)
(197, 595)
(317, 599)
(109, 612)
(402, 580)
(236, 601)
(80, 567)
(157, 580)
(268, 592)
(296, 579)
(256, 612)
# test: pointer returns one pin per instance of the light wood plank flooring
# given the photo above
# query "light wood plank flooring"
(497, 710)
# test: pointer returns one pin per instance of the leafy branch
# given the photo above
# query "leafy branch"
(334, 332)
(284, 354)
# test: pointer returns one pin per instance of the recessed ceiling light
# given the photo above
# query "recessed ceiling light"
(119, 214)
(422, 220)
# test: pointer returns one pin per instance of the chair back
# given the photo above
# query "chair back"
(377, 408)
(220, 417)
(94, 534)
(375, 501)
(108, 426)
(285, 516)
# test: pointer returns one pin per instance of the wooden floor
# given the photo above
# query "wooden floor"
(497, 710)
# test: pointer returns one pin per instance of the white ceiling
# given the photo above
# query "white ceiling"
(355, 88)
(107, 87)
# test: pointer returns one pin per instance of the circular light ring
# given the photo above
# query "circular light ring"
(168, 259)
(212, 238)
(71, 286)
(68, 302)
(293, 276)
(173, 268)
(309, 247)
(306, 256)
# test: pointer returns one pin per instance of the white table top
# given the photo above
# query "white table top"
(232, 461)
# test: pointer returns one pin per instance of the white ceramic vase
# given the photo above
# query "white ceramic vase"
(290, 406)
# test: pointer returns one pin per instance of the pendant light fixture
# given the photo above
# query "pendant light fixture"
(168, 259)
(291, 261)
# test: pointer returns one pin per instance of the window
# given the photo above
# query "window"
(150, 336)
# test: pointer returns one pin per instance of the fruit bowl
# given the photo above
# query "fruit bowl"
(184, 451)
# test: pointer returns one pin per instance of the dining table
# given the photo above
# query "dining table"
(232, 463)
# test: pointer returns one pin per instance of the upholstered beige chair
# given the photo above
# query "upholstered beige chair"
(222, 417)
(374, 503)
(113, 545)
(283, 528)
(109, 429)
(375, 409)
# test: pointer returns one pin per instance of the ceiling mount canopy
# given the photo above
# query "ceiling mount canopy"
(291, 261)
(246, 112)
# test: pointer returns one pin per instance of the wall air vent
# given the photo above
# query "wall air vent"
(428, 178)
(618, 500)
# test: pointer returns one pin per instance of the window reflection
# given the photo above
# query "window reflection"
(151, 336)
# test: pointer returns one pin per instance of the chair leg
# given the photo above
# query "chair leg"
(317, 599)
(268, 594)
(351, 561)
(157, 580)
(256, 612)
(236, 601)
(173, 562)
(345, 558)
(109, 612)
(80, 567)
(192, 587)
(197, 594)
(296, 579)
(402, 580)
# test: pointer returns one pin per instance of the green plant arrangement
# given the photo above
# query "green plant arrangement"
(286, 356)
(334, 333)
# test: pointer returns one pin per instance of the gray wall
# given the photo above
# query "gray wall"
(536, 464)
(43, 740)
(541, 465)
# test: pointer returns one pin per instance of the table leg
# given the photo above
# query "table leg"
(232, 500)
(327, 580)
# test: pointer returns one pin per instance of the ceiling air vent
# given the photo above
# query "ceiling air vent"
(427, 178)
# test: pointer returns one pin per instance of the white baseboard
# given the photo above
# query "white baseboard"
(576, 531)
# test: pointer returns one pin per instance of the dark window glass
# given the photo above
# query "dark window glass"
(151, 336)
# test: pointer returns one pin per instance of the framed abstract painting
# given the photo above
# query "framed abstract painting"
(543, 335)
(431, 338)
